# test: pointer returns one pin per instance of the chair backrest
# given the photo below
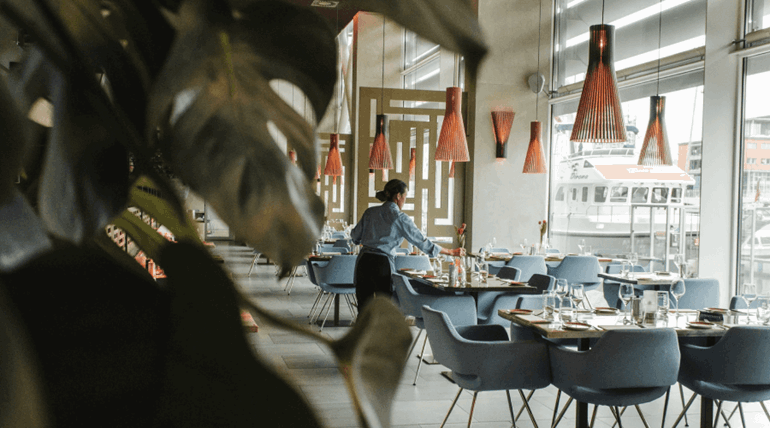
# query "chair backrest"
(461, 309)
(509, 272)
(641, 358)
(339, 271)
(413, 262)
(616, 267)
(528, 265)
(311, 270)
(338, 235)
(739, 358)
(542, 282)
(338, 250)
(577, 269)
(341, 243)
(552, 251)
(699, 293)
(482, 357)
(736, 302)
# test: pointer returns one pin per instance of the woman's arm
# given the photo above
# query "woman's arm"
(416, 238)
(455, 252)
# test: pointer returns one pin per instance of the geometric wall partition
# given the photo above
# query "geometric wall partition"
(434, 201)
(336, 196)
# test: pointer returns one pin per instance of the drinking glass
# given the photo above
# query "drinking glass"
(633, 259)
(437, 266)
(483, 270)
(662, 305)
(567, 312)
(494, 242)
(524, 247)
(582, 245)
(626, 293)
(749, 295)
(763, 310)
(562, 288)
(680, 262)
(549, 302)
(677, 290)
(588, 250)
(625, 268)
(578, 294)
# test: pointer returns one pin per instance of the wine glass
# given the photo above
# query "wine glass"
(494, 242)
(680, 262)
(578, 294)
(524, 247)
(677, 290)
(562, 288)
(633, 258)
(626, 293)
(483, 271)
(749, 295)
(581, 246)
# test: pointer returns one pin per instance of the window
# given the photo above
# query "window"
(659, 195)
(695, 164)
(559, 194)
(417, 49)
(600, 194)
(639, 195)
(764, 161)
(765, 146)
(619, 194)
(585, 194)
(695, 150)
(752, 146)
(574, 193)
(751, 161)
(757, 17)
(676, 195)
(636, 33)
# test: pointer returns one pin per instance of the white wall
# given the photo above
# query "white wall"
(503, 202)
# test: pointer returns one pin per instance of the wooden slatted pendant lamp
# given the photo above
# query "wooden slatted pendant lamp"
(412, 163)
(534, 162)
(655, 149)
(502, 120)
(334, 160)
(451, 169)
(599, 117)
(379, 156)
(452, 143)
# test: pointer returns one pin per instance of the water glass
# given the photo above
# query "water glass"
(549, 303)
(588, 251)
(566, 312)
(582, 245)
(749, 295)
(678, 290)
(763, 310)
(626, 293)
(578, 294)
(662, 305)
(562, 289)
(483, 271)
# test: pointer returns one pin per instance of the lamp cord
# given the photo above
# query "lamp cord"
(537, 74)
(382, 86)
(602, 12)
(660, 32)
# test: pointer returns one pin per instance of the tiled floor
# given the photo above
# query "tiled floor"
(312, 368)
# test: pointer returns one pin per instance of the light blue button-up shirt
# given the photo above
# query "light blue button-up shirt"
(383, 228)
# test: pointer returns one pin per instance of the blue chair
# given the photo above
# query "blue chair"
(699, 293)
(535, 301)
(483, 359)
(552, 251)
(528, 265)
(624, 368)
(509, 272)
(337, 278)
(460, 308)
(338, 235)
(311, 277)
(611, 287)
(736, 302)
(413, 262)
(733, 369)
(490, 302)
(579, 270)
(333, 250)
(342, 243)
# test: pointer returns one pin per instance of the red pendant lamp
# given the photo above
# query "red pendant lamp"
(379, 156)
(452, 144)
(412, 163)
(534, 163)
(451, 169)
(333, 160)
(318, 174)
(293, 156)
(655, 150)
(501, 125)
(599, 116)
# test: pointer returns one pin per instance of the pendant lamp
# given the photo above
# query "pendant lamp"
(379, 157)
(452, 144)
(333, 160)
(501, 125)
(599, 116)
(452, 169)
(412, 163)
(655, 150)
(293, 156)
(534, 163)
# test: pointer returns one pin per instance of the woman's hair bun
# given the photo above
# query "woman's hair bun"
(381, 196)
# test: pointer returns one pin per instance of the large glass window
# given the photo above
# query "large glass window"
(631, 188)
(758, 16)
(754, 254)
(636, 33)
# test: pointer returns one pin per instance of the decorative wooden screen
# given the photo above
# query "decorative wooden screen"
(336, 196)
(434, 201)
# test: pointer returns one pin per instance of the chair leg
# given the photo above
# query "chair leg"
(665, 408)
(317, 299)
(762, 403)
(419, 363)
(555, 408)
(327, 312)
(526, 404)
(644, 421)
(451, 407)
(719, 410)
(254, 262)
(326, 301)
(684, 410)
(616, 412)
(510, 407)
(561, 414)
(473, 405)
(414, 342)
(728, 418)
(681, 395)
(743, 418)
(518, 415)
(593, 416)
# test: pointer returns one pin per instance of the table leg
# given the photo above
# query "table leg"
(336, 310)
(581, 408)
(706, 412)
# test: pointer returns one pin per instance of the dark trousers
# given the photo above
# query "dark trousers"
(372, 277)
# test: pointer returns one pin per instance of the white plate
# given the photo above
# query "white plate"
(700, 325)
(660, 273)
(576, 326)
(607, 311)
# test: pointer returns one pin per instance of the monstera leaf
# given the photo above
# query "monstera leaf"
(213, 103)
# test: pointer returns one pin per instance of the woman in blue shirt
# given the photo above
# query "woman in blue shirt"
(380, 231)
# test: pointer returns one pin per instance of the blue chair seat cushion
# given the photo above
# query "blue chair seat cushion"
(341, 288)
(727, 392)
(615, 396)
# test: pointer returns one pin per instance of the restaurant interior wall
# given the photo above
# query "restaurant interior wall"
(504, 203)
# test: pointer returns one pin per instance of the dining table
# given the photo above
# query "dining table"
(655, 279)
(475, 286)
(592, 325)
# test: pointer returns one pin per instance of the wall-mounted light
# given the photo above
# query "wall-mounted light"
(501, 125)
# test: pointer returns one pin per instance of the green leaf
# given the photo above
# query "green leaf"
(214, 101)
(147, 238)
(373, 356)
(22, 236)
(451, 23)
(165, 211)
(213, 377)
